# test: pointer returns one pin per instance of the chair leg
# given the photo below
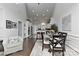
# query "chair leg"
(50, 50)
(42, 47)
(62, 53)
(53, 52)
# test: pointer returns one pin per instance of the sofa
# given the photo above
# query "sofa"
(12, 44)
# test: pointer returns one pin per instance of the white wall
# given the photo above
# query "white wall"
(75, 19)
(62, 10)
(13, 12)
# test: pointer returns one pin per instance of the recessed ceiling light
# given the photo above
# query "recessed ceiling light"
(47, 10)
(42, 23)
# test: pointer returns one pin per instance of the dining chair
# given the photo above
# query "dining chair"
(58, 43)
(46, 39)
(65, 36)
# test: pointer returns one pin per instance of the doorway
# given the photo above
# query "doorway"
(20, 28)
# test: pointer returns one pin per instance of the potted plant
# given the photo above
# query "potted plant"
(54, 27)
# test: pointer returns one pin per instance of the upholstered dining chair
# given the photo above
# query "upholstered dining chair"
(46, 39)
(65, 36)
(58, 43)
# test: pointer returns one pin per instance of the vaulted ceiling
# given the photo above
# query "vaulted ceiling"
(39, 12)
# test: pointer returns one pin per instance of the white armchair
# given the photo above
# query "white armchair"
(12, 45)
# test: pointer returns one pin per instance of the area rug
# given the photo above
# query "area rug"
(37, 50)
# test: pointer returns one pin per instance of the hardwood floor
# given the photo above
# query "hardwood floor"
(27, 47)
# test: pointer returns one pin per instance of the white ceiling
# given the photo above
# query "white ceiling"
(39, 12)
